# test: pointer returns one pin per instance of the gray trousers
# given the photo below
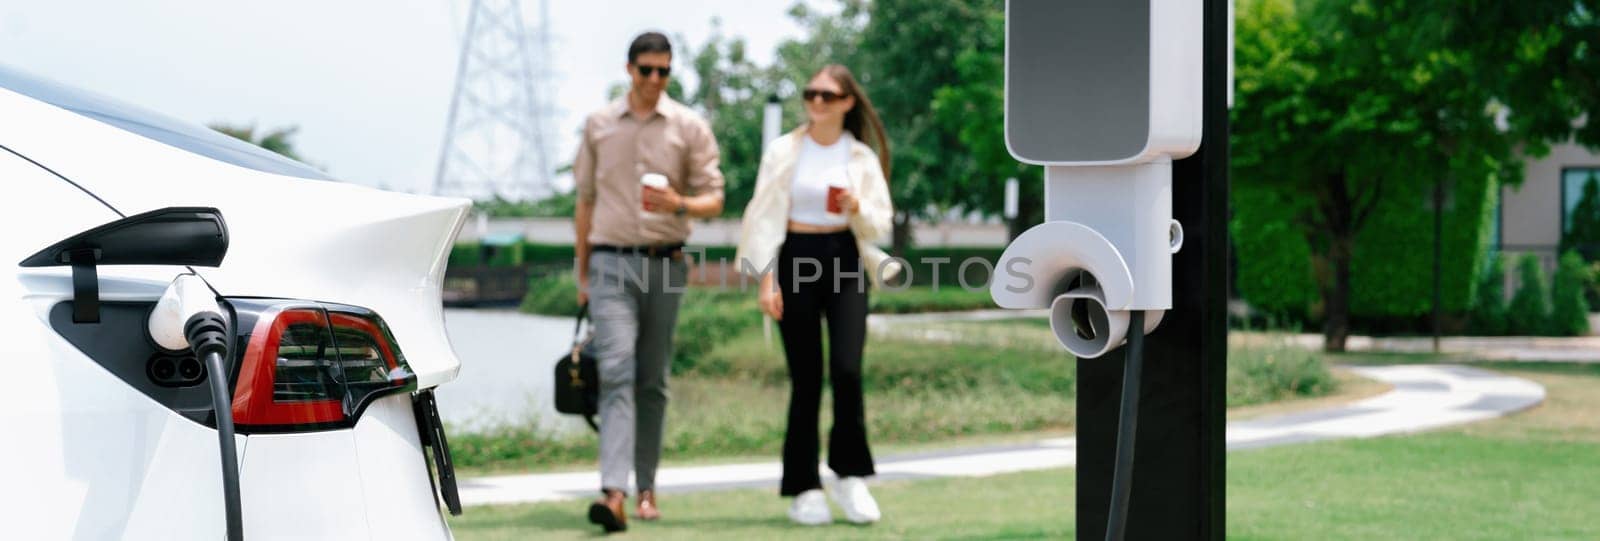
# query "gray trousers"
(633, 303)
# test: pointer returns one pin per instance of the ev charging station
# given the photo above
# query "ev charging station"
(1123, 102)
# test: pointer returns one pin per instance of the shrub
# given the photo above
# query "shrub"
(466, 254)
(1489, 310)
(708, 318)
(1592, 287)
(1569, 313)
(927, 299)
(554, 294)
(1275, 371)
(504, 255)
(1530, 311)
(1391, 270)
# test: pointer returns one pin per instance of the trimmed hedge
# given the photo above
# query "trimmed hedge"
(1273, 260)
(1569, 310)
(1489, 313)
(1392, 268)
(474, 254)
(1530, 312)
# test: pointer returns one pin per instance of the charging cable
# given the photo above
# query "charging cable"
(1122, 476)
(188, 318)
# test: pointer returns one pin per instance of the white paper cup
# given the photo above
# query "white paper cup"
(651, 180)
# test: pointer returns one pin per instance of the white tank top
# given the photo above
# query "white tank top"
(819, 167)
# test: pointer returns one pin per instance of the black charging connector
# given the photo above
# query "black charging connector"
(208, 338)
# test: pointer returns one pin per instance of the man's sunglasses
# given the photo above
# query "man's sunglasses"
(645, 71)
(828, 96)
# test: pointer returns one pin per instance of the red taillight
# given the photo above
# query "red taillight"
(311, 367)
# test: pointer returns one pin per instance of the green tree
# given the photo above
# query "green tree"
(731, 90)
(1540, 58)
(1340, 103)
(1583, 229)
(972, 106)
(277, 140)
(1569, 311)
(830, 38)
(1530, 311)
(911, 49)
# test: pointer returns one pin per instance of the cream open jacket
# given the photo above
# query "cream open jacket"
(766, 218)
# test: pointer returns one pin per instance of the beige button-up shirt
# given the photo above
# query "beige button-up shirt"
(618, 148)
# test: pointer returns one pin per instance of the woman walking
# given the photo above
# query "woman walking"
(821, 201)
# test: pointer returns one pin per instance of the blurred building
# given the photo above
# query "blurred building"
(1532, 217)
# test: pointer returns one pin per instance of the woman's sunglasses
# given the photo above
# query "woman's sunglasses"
(645, 71)
(828, 96)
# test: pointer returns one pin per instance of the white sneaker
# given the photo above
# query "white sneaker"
(810, 508)
(851, 494)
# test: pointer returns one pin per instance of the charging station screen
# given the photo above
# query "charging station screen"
(1077, 79)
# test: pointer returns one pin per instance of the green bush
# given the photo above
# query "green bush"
(547, 254)
(1592, 288)
(505, 255)
(1569, 313)
(927, 299)
(1276, 371)
(1392, 266)
(466, 254)
(1273, 260)
(1530, 311)
(1489, 311)
(472, 254)
(708, 318)
(553, 294)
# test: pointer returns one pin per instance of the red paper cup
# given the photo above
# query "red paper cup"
(833, 199)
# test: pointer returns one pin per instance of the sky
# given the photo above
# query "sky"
(368, 82)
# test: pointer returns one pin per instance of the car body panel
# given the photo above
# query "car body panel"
(395, 478)
(93, 458)
(303, 486)
(290, 237)
(89, 456)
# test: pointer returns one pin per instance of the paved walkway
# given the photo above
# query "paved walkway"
(1423, 397)
(1579, 349)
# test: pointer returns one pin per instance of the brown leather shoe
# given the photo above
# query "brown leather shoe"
(647, 506)
(607, 511)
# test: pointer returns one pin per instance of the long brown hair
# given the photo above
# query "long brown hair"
(862, 120)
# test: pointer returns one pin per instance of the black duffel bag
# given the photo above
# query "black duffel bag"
(577, 377)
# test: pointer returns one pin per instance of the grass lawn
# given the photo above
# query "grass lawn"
(733, 401)
(937, 509)
(1532, 475)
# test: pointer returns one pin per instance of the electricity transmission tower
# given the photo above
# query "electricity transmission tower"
(495, 140)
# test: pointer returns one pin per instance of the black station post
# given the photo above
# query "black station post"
(1179, 472)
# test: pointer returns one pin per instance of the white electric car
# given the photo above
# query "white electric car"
(335, 334)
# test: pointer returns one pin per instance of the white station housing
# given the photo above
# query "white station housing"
(1105, 94)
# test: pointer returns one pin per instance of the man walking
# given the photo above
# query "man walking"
(645, 165)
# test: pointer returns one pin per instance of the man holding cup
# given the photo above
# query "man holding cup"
(645, 165)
